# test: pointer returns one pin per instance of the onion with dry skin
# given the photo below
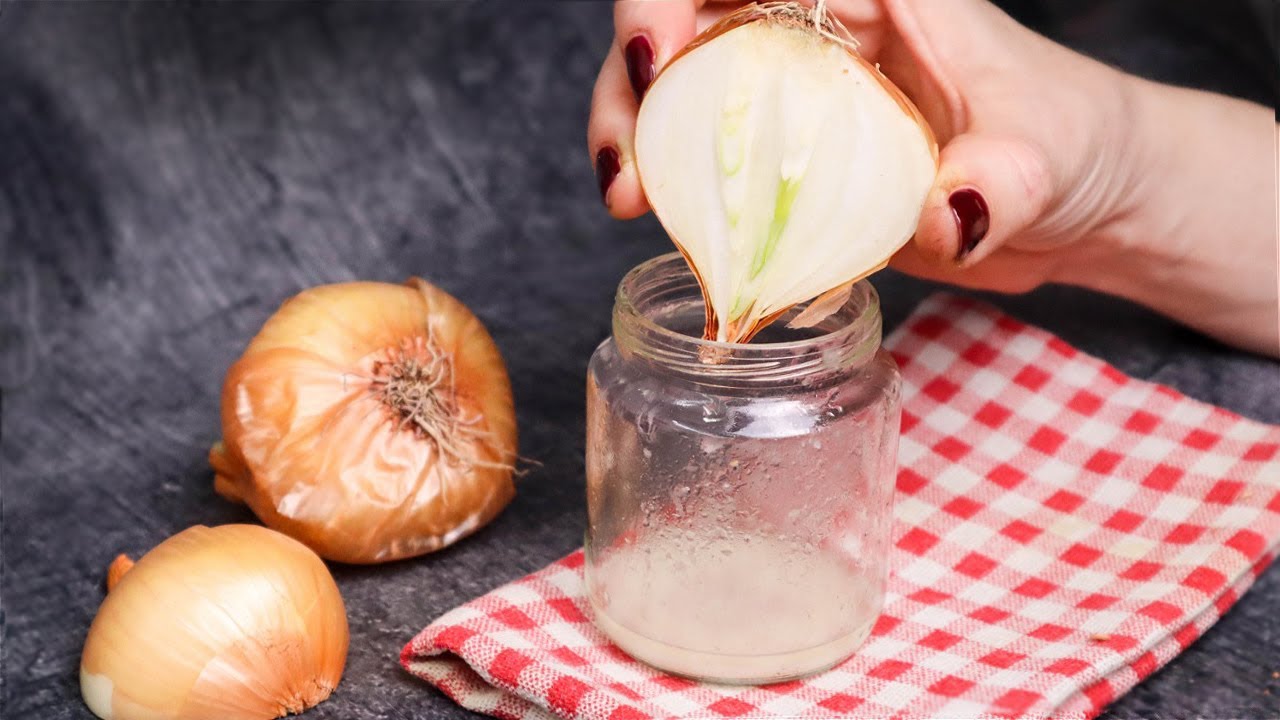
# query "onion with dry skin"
(782, 163)
(235, 622)
(371, 421)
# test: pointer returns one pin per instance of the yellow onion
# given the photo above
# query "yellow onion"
(783, 164)
(371, 421)
(235, 622)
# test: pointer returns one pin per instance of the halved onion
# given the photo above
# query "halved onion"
(782, 163)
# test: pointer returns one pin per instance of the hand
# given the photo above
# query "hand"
(1031, 133)
(1053, 167)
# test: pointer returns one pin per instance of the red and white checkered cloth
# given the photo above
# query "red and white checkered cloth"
(1062, 530)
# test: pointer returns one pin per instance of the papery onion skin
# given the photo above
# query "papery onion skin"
(743, 290)
(236, 622)
(311, 445)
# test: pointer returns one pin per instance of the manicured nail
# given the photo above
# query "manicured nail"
(972, 218)
(640, 68)
(607, 167)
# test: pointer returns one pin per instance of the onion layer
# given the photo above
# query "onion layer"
(783, 164)
(236, 622)
(371, 421)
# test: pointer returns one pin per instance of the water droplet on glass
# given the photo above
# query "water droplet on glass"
(645, 424)
(678, 496)
(648, 507)
(713, 410)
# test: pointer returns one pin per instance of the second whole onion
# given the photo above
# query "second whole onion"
(235, 622)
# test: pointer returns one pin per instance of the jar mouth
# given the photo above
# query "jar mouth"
(659, 313)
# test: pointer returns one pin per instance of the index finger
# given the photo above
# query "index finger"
(647, 35)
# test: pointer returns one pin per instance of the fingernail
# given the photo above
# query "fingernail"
(640, 65)
(972, 218)
(607, 167)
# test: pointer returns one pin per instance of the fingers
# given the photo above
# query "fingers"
(989, 189)
(1011, 271)
(647, 36)
(609, 138)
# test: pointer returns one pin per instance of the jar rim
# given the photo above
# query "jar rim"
(852, 333)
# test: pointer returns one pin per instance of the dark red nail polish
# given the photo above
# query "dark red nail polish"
(640, 68)
(972, 218)
(607, 167)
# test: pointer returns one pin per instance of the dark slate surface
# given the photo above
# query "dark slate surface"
(168, 174)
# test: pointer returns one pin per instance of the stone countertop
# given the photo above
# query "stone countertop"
(170, 173)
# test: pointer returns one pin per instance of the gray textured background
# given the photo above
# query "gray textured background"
(170, 173)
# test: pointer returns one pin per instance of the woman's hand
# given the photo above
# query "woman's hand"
(1031, 133)
(1046, 158)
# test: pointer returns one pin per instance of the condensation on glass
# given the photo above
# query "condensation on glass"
(738, 495)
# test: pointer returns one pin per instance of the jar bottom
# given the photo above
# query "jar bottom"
(733, 669)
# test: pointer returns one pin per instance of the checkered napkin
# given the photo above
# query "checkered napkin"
(1062, 530)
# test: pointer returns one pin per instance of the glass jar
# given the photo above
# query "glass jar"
(738, 495)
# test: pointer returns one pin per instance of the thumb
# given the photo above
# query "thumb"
(989, 188)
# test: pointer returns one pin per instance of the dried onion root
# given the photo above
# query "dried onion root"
(783, 164)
